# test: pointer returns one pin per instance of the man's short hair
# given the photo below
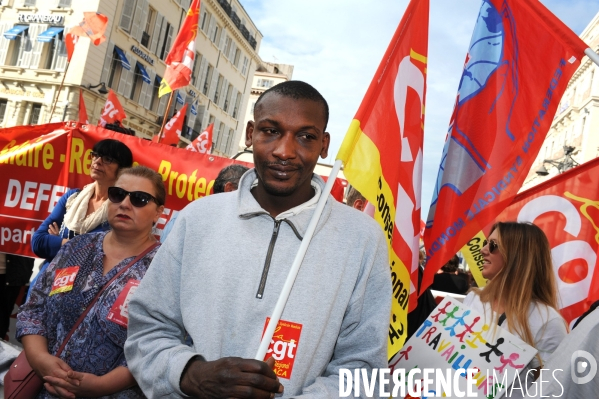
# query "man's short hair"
(297, 90)
(228, 174)
(353, 195)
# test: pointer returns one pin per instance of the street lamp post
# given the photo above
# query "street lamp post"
(562, 164)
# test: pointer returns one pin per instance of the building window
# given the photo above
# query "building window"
(155, 99)
(205, 21)
(237, 103)
(29, 3)
(216, 35)
(3, 106)
(219, 85)
(252, 107)
(64, 4)
(228, 98)
(265, 83)
(206, 85)
(116, 69)
(166, 45)
(127, 15)
(236, 58)
(244, 69)
(145, 35)
(137, 83)
(36, 110)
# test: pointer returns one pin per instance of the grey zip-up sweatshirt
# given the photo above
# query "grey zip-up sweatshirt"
(219, 275)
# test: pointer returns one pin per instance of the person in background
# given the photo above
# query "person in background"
(521, 295)
(15, 272)
(93, 363)
(226, 181)
(448, 279)
(81, 211)
(355, 199)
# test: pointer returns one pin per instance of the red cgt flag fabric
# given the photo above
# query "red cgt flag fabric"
(172, 130)
(203, 142)
(82, 110)
(113, 110)
(518, 65)
(179, 61)
(70, 42)
(93, 26)
(566, 208)
(382, 156)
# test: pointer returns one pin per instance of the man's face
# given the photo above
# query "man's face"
(287, 137)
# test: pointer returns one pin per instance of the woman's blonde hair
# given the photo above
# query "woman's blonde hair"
(527, 275)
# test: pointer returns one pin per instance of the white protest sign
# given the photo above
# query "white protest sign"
(456, 337)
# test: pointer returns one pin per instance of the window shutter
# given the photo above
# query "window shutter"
(127, 15)
(211, 28)
(232, 104)
(223, 39)
(124, 88)
(107, 63)
(158, 33)
(232, 51)
(185, 4)
(144, 89)
(213, 84)
(202, 73)
(162, 105)
(169, 41)
(4, 42)
(27, 46)
(39, 46)
(223, 94)
(150, 89)
(205, 121)
(217, 133)
(197, 66)
(224, 140)
(64, 3)
(141, 17)
(60, 61)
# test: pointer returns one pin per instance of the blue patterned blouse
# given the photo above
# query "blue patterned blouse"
(97, 345)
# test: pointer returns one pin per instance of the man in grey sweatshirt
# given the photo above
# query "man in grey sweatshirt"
(219, 274)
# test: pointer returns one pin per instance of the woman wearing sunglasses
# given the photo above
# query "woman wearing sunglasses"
(521, 293)
(81, 211)
(105, 265)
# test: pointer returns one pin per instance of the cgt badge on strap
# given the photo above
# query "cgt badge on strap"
(283, 346)
(64, 279)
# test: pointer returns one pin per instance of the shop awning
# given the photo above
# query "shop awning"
(158, 80)
(144, 74)
(48, 35)
(15, 31)
(123, 58)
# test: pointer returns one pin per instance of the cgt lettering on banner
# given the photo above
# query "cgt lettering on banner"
(193, 186)
(31, 195)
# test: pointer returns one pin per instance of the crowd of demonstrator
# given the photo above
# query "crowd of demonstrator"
(114, 313)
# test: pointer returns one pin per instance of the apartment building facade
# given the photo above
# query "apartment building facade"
(130, 62)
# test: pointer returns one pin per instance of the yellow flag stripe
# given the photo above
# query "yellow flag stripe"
(165, 88)
(473, 257)
(362, 168)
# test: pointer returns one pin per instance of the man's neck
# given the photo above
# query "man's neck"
(275, 205)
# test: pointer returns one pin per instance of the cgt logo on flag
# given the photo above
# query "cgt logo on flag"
(203, 142)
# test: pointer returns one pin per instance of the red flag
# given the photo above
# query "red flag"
(203, 142)
(70, 42)
(82, 110)
(179, 61)
(112, 111)
(172, 130)
(518, 65)
(382, 155)
(566, 209)
(93, 26)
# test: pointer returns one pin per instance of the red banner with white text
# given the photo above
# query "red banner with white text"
(566, 208)
(40, 163)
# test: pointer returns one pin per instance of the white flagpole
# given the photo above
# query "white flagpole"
(593, 56)
(299, 257)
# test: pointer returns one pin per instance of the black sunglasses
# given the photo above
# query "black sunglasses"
(105, 158)
(138, 199)
(492, 244)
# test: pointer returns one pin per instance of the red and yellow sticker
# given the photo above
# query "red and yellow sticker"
(283, 346)
(64, 279)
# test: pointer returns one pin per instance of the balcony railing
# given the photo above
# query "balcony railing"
(237, 22)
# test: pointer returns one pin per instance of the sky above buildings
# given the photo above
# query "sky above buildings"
(337, 45)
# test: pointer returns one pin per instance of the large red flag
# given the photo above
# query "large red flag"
(203, 142)
(382, 154)
(112, 111)
(566, 208)
(82, 110)
(179, 61)
(172, 130)
(518, 65)
(93, 26)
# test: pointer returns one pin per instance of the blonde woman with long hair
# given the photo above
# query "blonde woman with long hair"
(521, 294)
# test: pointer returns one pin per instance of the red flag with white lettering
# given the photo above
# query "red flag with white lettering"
(82, 110)
(566, 208)
(112, 111)
(172, 130)
(70, 41)
(203, 142)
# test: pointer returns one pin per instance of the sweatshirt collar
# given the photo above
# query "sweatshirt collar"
(300, 215)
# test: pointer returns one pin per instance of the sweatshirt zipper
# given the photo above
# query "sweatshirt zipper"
(271, 248)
